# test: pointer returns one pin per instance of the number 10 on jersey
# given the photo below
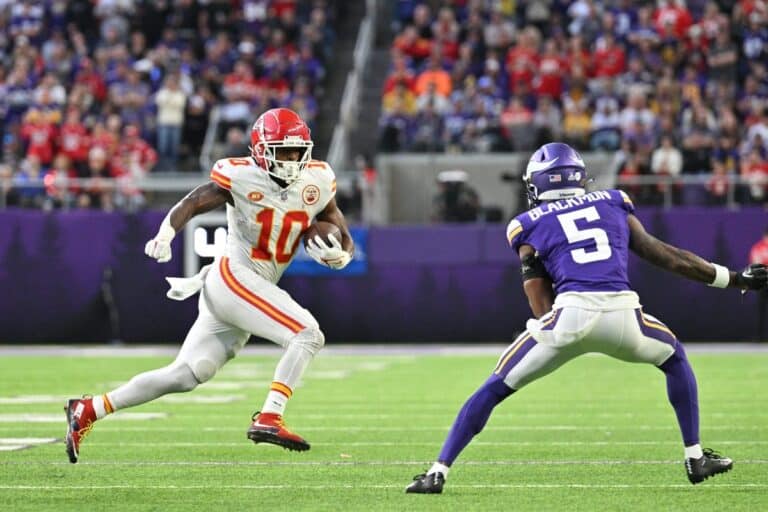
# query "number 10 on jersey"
(283, 250)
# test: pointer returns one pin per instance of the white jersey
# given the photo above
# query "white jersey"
(266, 222)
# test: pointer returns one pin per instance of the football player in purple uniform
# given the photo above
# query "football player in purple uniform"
(574, 246)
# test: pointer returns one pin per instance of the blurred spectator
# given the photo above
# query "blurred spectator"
(60, 194)
(170, 100)
(609, 57)
(236, 142)
(722, 58)
(456, 200)
(699, 130)
(605, 129)
(8, 194)
(551, 71)
(523, 60)
(516, 122)
(428, 131)
(718, 183)
(29, 183)
(412, 44)
(577, 125)
(754, 169)
(759, 254)
(400, 98)
(367, 182)
(666, 160)
(434, 74)
(499, 32)
(74, 140)
(431, 98)
(98, 193)
(548, 121)
(759, 129)
(39, 136)
(134, 154)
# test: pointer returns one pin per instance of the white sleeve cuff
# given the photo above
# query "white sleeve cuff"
(722, 276)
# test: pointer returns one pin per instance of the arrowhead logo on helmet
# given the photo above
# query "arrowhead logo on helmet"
(281, 128)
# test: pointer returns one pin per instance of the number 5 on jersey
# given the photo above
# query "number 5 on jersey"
(282, 254)
(574, 234)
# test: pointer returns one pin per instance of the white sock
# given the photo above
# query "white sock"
(693, 452)
(439, 468)
(275, 403)
(100, 407)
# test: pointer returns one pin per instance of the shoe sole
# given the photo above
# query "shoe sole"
(71, 451)
(423, 491)
(727, 469)
(266, 437)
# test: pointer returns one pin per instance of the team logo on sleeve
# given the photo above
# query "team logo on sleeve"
(255, 196)
(310, 194)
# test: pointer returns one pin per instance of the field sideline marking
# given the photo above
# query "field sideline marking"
(383, 486)
(422, 428)
(661, 442)
(371, 463)
(403, 351)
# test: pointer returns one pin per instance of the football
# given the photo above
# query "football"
(324, 229)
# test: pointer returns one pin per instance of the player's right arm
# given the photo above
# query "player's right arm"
(202, 199)
(536, 282)
(689, 265)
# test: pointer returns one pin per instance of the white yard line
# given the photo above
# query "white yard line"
(404, 350)
(363, 486)
(190, 444)
(420, 428)
(371, 463)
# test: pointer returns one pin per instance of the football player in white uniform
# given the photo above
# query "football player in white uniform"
(271, 197)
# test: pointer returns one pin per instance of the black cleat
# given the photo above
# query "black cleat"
(427, 484)
(710, 464)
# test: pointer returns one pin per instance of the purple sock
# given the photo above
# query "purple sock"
(472, 417)
(682, 393)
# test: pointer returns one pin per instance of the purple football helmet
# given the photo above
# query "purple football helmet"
(555, 171)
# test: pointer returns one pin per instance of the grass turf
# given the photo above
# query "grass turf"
(598, 434)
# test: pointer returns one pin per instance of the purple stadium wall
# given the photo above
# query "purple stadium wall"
(431, 284)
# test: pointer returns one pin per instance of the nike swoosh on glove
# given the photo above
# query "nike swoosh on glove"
(754, 277)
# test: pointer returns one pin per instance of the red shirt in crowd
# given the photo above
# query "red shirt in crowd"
(74, 141)
(40, 137)
(522, 63)
(609, 61)
(759, 252)
(550, 79)
(134, 149)
(415, 47)
(675, 16)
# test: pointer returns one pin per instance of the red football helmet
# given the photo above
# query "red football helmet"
(280, 128)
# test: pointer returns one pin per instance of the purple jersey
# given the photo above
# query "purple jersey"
(582, 241)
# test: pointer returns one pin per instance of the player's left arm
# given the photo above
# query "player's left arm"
(331, 213)
(689, 265)
(536, 282)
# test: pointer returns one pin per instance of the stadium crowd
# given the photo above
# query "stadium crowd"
(673, 87)
(120, 88)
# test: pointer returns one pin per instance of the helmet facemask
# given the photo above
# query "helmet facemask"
(286, 170)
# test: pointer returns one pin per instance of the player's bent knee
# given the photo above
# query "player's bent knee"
(203, 370)
(181, 378)
(311, 339)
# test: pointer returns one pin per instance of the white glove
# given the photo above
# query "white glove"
(159, 249)
(332, 255)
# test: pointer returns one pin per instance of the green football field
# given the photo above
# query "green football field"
(598, 435)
